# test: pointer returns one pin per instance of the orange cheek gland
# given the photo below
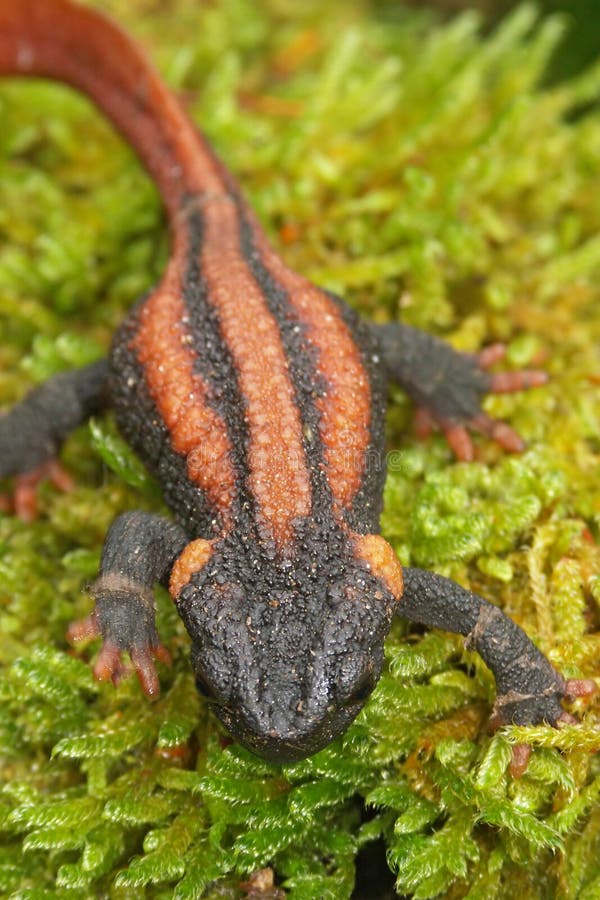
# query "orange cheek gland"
(190, 562)
(381, 560)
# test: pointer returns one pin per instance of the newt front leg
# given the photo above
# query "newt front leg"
(139, 550)
(529, 689)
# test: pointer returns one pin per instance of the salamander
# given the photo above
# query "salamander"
(257, 400)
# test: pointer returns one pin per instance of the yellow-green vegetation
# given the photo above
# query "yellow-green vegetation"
(420, 170)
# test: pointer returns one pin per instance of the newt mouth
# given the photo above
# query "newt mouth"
(290, 745)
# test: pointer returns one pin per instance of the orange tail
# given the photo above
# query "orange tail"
(60, 40)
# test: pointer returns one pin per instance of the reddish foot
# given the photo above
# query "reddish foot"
(457, 433)
(23, 501)
(109, 665)
(521, 754)
(580, 687)
(574, 688)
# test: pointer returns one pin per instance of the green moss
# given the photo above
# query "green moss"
(417, 168)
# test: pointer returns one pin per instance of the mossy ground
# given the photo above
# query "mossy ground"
(419, 170)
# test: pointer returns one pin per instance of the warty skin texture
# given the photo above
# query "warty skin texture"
(288, 654)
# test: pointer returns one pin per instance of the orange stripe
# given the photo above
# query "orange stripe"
(164, 347)
(278, 473)
(345, 407)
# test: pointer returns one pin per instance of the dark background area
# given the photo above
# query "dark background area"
(579, 48)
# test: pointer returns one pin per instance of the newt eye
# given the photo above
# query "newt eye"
(203, 688)
(208, 692)
(362, 690)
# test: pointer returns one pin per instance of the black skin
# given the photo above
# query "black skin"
(450, 385)
(287, 654)
(139, 550)
(32, 432)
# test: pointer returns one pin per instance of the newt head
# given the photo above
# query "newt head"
(287, 649)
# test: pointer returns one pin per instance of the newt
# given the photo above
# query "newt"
(257, 400)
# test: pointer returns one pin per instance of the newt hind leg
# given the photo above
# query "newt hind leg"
(448, 386)
(32, 432)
